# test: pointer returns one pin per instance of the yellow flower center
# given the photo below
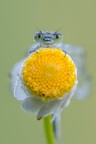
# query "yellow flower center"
(49, 73)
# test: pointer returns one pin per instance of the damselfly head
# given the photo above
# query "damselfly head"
(48, 38)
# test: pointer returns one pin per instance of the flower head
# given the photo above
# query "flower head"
(49, 73)
(46, 81)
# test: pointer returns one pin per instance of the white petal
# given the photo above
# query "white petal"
(16, 82)
(15, 73)
(19, 91)
(32, 104)
(49, 108)
(84, 88)
(65, 102)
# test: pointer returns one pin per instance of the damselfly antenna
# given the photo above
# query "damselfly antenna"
(38, 29)
(58, 30)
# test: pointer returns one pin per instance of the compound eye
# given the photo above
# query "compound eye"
(57, 36)
(39, 36)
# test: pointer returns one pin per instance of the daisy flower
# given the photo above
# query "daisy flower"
(48, 77)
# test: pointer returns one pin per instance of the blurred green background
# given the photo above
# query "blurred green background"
(17, 26)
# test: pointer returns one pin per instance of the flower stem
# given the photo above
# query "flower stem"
(49, 130)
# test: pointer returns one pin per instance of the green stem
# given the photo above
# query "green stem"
(49, 130)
